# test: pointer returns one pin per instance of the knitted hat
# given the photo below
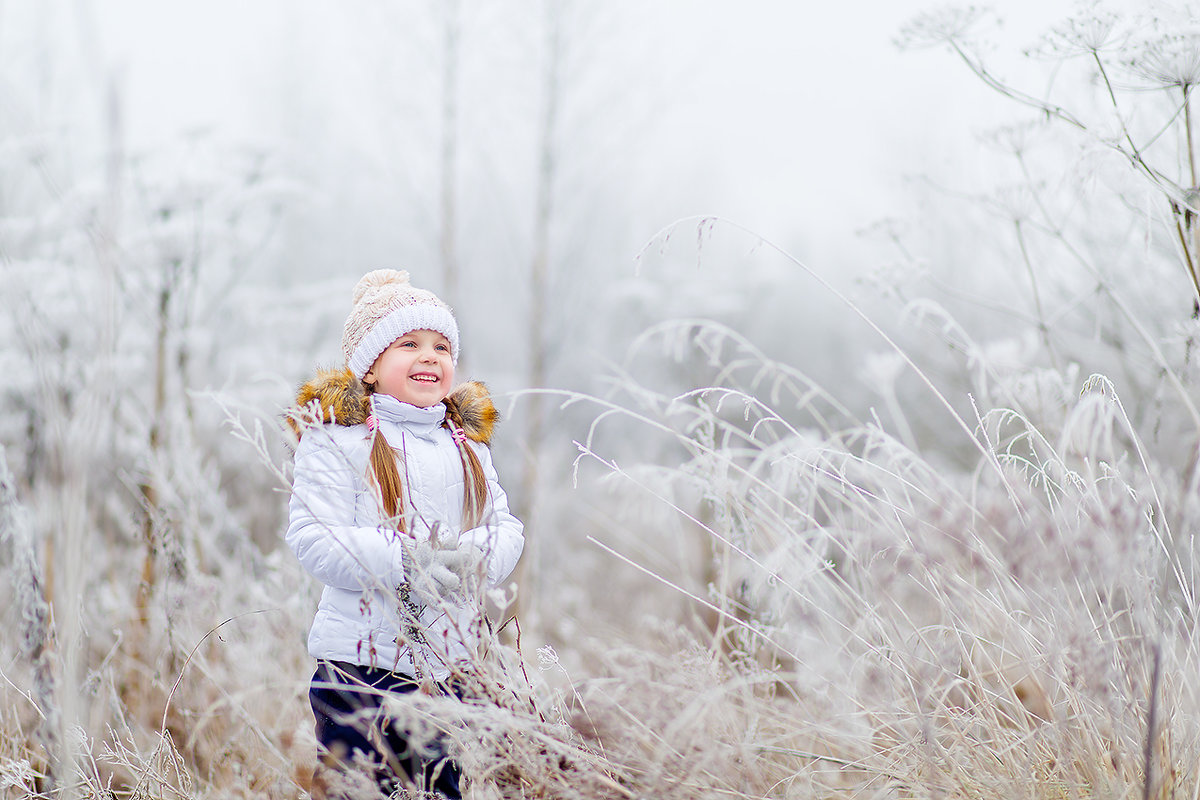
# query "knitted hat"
(387, 306)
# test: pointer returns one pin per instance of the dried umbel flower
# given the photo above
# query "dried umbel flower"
(1168, 61)
(1014, 202)
(1018, 138)
(946, 25)
(547, 658)
(1086, 33)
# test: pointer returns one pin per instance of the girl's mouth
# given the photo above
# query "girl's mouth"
(425, 377)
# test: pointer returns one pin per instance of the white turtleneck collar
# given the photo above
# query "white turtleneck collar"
(421, 421)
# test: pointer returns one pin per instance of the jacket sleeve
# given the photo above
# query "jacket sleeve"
(321, 521)
(501, 535)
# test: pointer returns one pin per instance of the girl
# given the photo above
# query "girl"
(396, 508)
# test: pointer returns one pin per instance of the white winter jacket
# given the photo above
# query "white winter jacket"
(334, 529)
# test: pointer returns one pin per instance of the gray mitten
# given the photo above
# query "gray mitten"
(429, 579)
(464, 560)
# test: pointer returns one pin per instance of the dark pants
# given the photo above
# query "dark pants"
(346, 700)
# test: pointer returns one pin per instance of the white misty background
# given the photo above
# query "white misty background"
(847, 359)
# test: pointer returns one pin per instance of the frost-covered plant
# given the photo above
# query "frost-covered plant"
(1090, 242)
(118, 464)
(988, 587)
(985, 631)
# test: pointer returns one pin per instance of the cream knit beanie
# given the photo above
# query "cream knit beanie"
(387, 306)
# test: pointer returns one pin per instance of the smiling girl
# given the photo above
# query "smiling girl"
(396, 508)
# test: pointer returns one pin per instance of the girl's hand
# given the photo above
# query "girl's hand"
(428, 578)
(436, 574)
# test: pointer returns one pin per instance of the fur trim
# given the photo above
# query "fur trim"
(335, 395)
(338, 397)
(478, 412)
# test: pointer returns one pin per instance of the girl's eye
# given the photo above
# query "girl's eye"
(444, 347)
(408, 344)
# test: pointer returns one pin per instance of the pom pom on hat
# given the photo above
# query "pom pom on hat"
(377, 279)
(387, 306)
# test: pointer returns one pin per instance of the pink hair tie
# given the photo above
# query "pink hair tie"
(459, 435)
(372, 423)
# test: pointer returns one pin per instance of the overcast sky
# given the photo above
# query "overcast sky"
(797, 119)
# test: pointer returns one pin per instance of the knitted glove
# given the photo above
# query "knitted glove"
(465, 560)
(436, 573)
(429, 580)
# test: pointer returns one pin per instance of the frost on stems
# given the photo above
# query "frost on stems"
(35, 633)
(1121, 53)
(985, 629)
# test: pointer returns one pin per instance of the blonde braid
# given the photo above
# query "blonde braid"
(385, 471)
(475, 488)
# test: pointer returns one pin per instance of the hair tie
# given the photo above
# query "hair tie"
(372, 423)
(459, 435)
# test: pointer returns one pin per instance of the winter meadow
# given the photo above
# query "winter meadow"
(914, 525)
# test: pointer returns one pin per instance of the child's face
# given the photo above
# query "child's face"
(416, 368)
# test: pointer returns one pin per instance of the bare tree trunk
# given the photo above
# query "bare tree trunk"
(106, 249)
(539, 279)
(449, 154)
(539, 276)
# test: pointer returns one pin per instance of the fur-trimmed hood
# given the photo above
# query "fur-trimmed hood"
(335, 395)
